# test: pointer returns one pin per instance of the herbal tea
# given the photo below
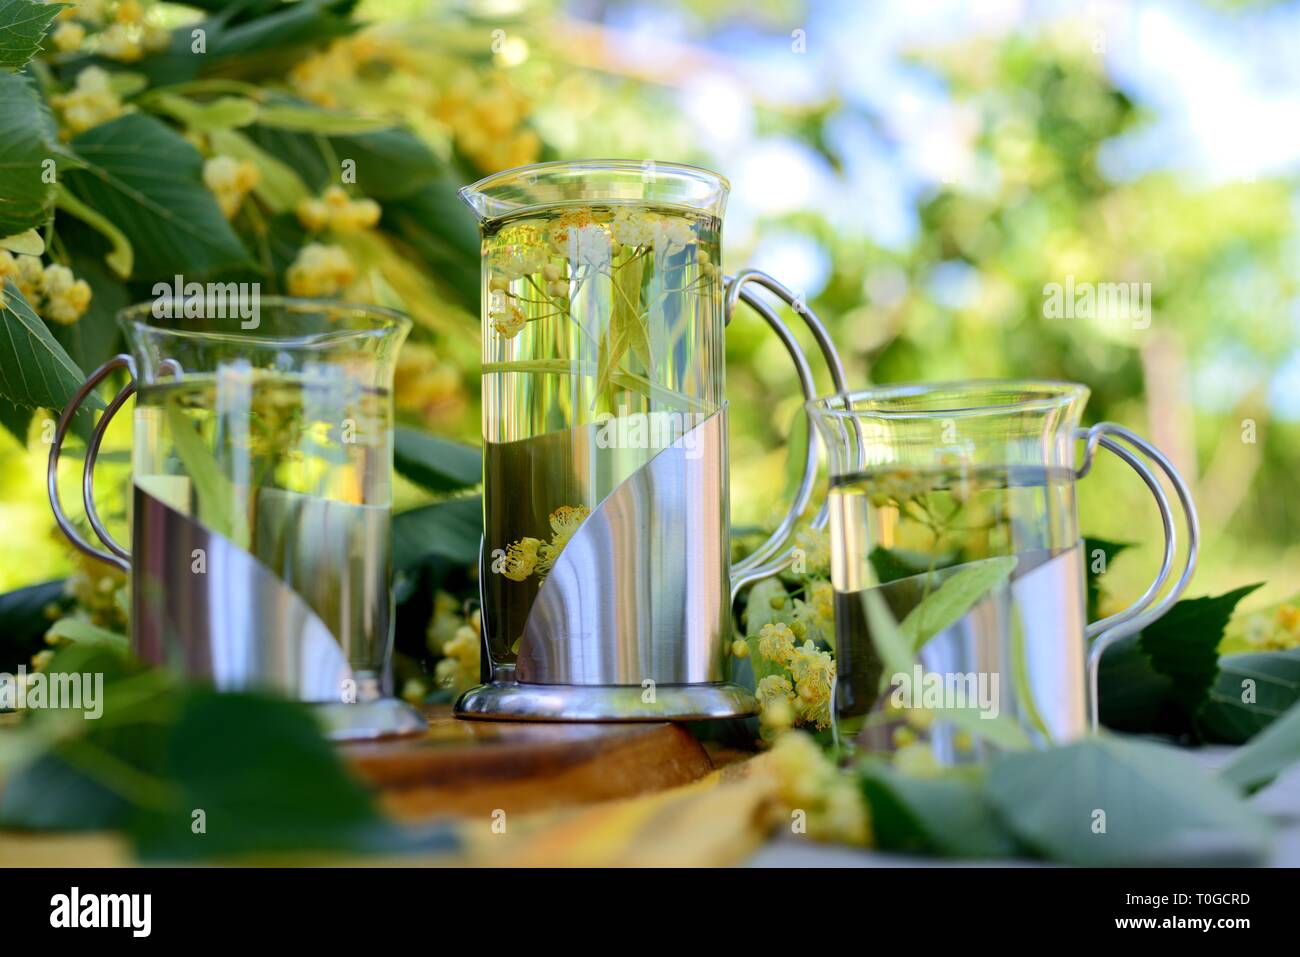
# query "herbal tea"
(294, 470)
(602, 345)
(983, 574)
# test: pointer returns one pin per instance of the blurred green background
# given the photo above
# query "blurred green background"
(920, 172)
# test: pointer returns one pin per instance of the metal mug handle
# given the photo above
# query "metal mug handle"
(116, 554)
(1146, 608)
(764, 561)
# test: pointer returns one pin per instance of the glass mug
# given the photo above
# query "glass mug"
(606, 572)
(261, 505)
(956, 561)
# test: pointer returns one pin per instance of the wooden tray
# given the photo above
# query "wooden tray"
(471, 768)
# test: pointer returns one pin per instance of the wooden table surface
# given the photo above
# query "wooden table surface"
(475, 767)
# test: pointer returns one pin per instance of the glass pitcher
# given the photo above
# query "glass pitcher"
(605, 572)
(957, 566)
(261, 505)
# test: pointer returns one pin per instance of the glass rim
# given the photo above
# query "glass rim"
(477, 195)
(141, 315)
(886, 401)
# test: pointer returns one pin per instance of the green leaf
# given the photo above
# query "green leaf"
(1109, 550)
(1268, 754)
(308, 119)
(280, 187)
(1158, 681)
(1020, 678)
(23, 621)
(439, 465)
(1133, 695)
(1183, 645)
(958, 593)
(891, 564)
(28, 243)
(624, 380)
(120, 257)
(215, 494)
(767, 603)
(452, 530)
(434, 223)
(223, 113)
(126, 84)
(1109, 801)
(1251, 691)
(259, 40)
(897, 653)
(83, 632)
(16, 419)
(393, 164)
(23, 25)
(147, 179)
(25, 194)
(946, 816)
(35, 371)
(266, 780)
(998, 730)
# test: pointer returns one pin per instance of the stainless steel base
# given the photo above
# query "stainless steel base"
(517, 701)
(367, 720)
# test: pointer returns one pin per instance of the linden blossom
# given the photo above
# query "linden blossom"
(71, 691)
(215, 300)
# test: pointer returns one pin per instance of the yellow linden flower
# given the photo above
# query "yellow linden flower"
(521, 559)
(814, 556)
(564, 522)
(508, 321)
(832, 806)
(918, 760)
(313, 214)
(129, 11)
(230, 180)
(89, 103)
(560, 227)
(355, 216)
(1288, 617)
(31, 277)
(772, 688)
(776, 642)
(68, 36)
(776, 717)
(444, 622)
(739, 649)
(154, 38)
(66, 297)
(817, 613)
(427, 386)
(337, 211)
(320, 270)
(632, 227)
(814, 676)
(120, 42)
(459, 668)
